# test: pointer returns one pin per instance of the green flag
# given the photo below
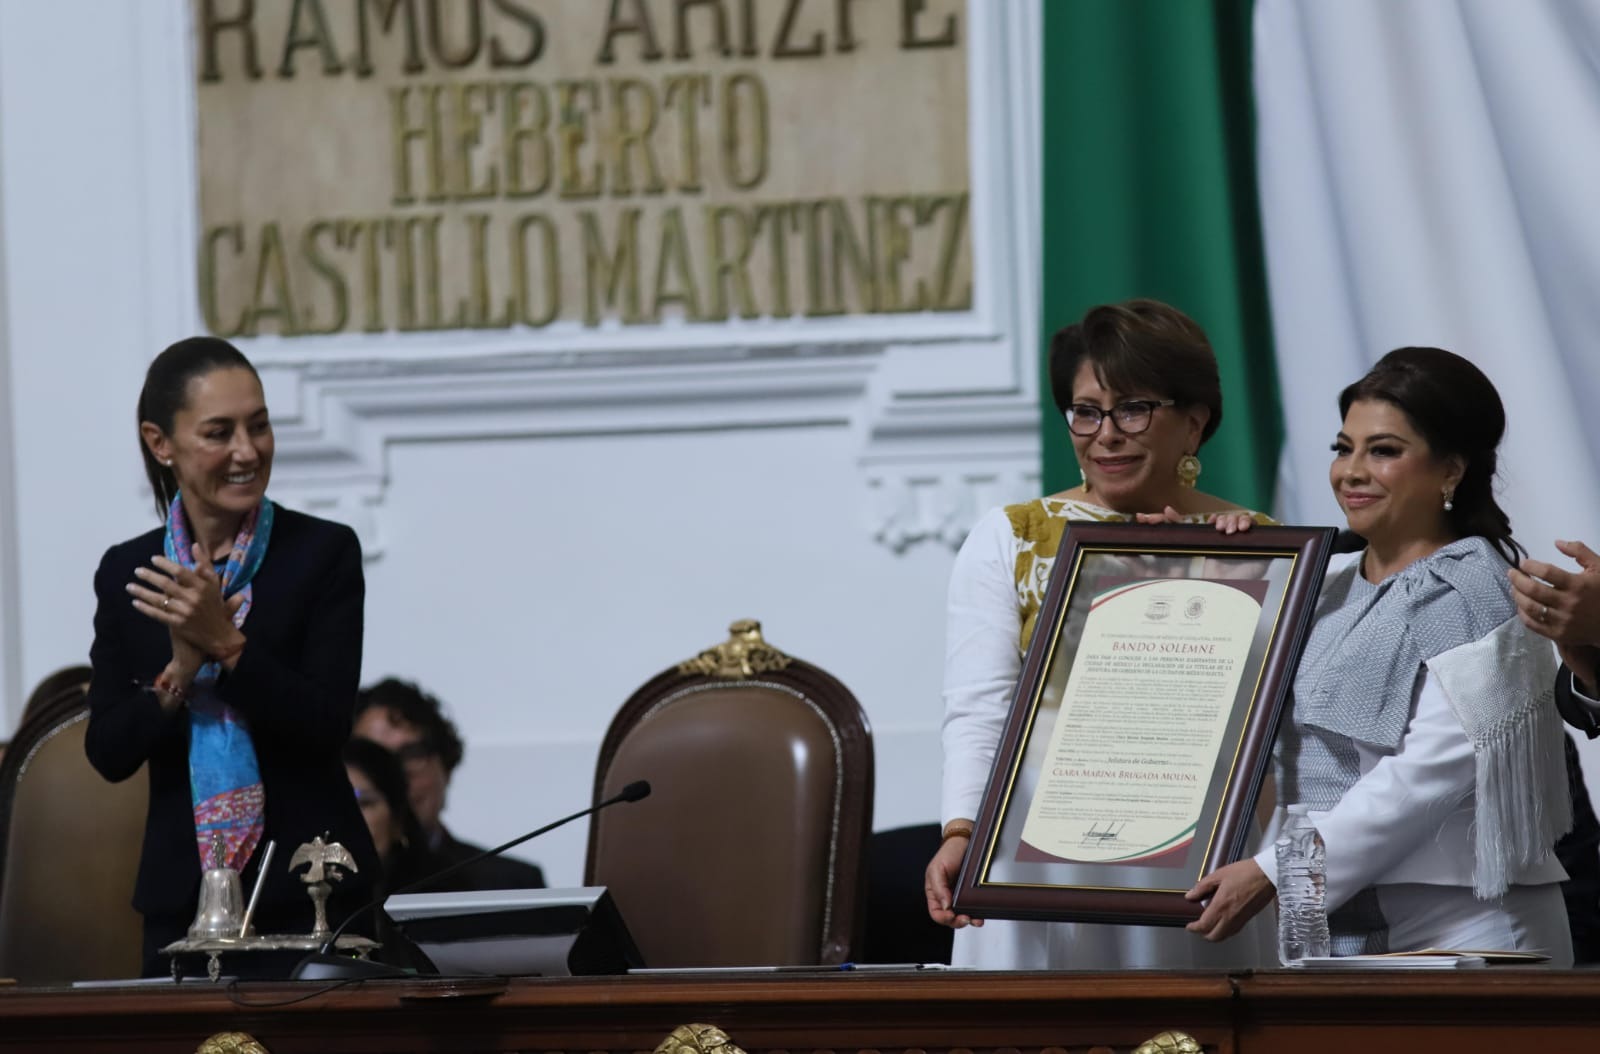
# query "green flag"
(1149, 190)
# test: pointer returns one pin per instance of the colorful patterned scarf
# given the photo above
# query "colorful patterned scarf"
(224, 777)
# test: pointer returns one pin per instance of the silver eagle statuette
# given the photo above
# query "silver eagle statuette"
(328, 861)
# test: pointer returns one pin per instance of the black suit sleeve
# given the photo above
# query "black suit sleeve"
(1579, 852)
(309, 702)
(126, 723)
(1574, 711)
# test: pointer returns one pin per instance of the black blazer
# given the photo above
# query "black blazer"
(295, 687)
(495, 872)
(1572, 711)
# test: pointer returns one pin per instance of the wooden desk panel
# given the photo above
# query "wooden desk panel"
(1505, 1010)
(848, 1013)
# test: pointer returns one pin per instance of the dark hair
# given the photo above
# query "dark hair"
(166, 391)
(1140, 346)
(1457, 410)
(415, 707)
(384, 771)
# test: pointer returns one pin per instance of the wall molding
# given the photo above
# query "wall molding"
(932, 465)
(336, 422)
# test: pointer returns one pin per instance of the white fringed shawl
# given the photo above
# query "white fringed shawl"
(1452, 611)
(1502, 689)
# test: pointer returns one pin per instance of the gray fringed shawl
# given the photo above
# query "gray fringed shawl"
(1452, 612)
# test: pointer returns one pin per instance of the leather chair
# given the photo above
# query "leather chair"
(68, 683)
(69, 848)
(750, 849)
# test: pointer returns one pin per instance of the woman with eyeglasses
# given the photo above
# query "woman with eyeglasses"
(1137, 384)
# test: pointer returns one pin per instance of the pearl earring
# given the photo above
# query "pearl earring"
(1449, 503)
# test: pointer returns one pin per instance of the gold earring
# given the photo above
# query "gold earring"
(1084, 477)
(1188, 469)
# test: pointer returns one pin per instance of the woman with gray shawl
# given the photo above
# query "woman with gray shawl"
(1423, 736)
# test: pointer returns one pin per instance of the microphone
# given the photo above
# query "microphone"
(325, 964)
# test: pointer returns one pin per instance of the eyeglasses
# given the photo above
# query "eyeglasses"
(1131, 417)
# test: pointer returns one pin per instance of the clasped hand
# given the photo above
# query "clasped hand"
(1232, 895)
(939, 877)
(1564, 606)
(1224, 522)
(189, 602)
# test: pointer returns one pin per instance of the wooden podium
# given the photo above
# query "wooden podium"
(913, 1012)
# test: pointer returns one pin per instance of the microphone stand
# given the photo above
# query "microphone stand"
(325, 964)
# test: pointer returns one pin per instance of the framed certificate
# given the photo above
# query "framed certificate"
(1143, 720)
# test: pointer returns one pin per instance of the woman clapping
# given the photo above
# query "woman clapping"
(227, 652)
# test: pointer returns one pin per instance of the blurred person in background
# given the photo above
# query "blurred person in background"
(379, 782)
(408, 721)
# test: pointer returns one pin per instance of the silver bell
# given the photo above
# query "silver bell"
(221, 910)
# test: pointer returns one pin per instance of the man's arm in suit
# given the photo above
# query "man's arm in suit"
(1578, 709)
(1564, 605)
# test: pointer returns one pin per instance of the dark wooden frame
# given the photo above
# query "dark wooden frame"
(1309, 548)
(849, 723)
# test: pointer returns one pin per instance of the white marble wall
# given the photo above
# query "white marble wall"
(550, 518)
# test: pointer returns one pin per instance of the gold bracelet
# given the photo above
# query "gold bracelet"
(956, 829)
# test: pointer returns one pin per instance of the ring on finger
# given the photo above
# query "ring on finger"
(165, 603)
(1544, 612)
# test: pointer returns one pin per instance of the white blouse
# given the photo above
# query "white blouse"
(982, 662)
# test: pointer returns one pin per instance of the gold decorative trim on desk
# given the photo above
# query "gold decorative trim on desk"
(1169, 1043)
(744, 654)
(231, 1043)
(698, 1039)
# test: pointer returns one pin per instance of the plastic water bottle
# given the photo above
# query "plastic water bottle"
(1302, 890)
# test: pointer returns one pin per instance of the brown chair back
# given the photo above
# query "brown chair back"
(64, 687)
(750, 848)
(69, 850)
